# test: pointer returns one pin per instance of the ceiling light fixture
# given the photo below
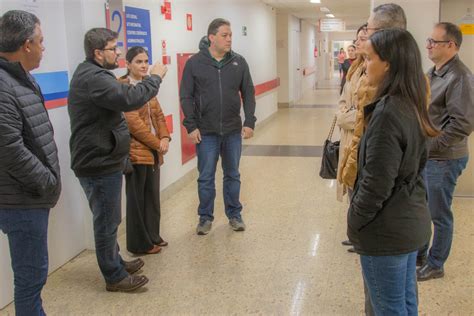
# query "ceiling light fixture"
(324, 9)
(330, 15)
(315, 1)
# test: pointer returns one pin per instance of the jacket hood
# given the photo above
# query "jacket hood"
(204, 47)
(204, 43)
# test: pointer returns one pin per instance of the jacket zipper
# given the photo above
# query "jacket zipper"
(220, 92)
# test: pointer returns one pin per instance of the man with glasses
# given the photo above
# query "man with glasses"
(100, 143)
(452, 111)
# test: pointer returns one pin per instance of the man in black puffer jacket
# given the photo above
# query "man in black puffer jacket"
(100, 142)
(29, 167)
(214, 81)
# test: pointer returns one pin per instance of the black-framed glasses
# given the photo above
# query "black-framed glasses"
(432, 42)
(113, 49)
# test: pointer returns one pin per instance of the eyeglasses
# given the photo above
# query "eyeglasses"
(113, 49)
(432, 42)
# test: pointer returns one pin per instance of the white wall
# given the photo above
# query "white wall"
(296, 40)
(70, 223)
(283, 57)
(294, 58)
(323, 61)
(308, 40)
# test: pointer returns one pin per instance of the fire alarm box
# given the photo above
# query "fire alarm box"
(166, 10)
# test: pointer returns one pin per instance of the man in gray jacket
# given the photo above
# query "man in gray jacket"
(452, 111)
(29, 168)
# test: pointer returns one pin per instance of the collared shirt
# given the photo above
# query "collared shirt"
(220, 63)
(451, 109)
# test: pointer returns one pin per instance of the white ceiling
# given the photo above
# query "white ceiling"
(353, 12)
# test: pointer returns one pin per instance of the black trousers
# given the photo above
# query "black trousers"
(143, 208)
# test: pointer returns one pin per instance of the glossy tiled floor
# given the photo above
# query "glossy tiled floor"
(288, 262)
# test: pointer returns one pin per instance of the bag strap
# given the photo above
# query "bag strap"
(331, 131)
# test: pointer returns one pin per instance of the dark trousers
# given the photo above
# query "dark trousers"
(27, 231)
(143, 208)
(104, 194)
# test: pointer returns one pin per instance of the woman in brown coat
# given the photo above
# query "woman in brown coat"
(149, 142)
(348, 106)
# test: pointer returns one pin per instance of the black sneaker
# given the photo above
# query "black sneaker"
(427, 272)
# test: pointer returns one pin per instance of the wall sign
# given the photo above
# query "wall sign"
(466, 24)
(332, 25)
(138, 29)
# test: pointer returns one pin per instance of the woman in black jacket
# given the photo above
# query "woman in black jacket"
(388, 220)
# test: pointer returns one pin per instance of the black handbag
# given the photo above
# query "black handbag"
(330, 157)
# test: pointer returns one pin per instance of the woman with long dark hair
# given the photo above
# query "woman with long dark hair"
(149, 142)
(388, 219)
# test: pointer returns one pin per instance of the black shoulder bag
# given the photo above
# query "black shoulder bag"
(330, 157)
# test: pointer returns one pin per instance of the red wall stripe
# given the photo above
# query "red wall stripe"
(267, 86)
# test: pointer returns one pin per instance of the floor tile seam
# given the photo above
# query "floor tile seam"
(297, 151)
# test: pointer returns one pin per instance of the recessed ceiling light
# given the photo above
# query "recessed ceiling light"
(324, 9)
(315, 1)
(330, 15)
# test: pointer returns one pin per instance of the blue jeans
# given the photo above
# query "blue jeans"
(104, 194)
(440, 179)
(27, 231)
(229, 147)
(391, 282)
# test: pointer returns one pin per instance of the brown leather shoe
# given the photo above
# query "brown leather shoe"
(133, 266)
(154, 250)
(128, 284)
